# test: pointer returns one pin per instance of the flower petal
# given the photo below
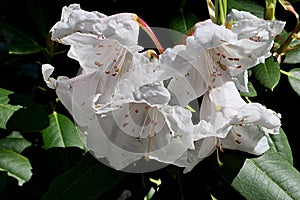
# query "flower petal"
(47, 70)
(246, 138)
(121, 27)
(255, 113)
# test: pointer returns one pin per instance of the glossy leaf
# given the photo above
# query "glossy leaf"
(292, 57)
(182, 22)
(6, 110)
(247, 5)
(22, 43)
(294, 79)
(61, 133)
(14, 142)
(268, 73)
(281, 145)
(268, 177)
(251, 92)
(15, 164)
(89, 179)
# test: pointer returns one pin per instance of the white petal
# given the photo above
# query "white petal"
(153, 94)
(210, 35)
(47, 70)
(255, 113)
(137, 130)
(101, 147)
(187, 83)
(203, 148)
(121, 27)
(246, 138)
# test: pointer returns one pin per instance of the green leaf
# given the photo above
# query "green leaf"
(182, 22)
(89, 179)
(251, 92)
(22, 43)
(281, 145)
(268, 73)
(61, 133)
(268, 177)
(6, 110)
(247, 5)
(294, 79)
(14, 142)
(15, 164)
(292, 57)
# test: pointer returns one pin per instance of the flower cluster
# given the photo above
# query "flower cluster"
(132, 104)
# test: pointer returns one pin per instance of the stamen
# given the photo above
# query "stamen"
(238, 141)
(218, 147)
(151, 54)
(148, 30)
(148, 148)
(99, 64)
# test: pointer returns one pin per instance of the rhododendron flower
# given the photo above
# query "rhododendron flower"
(246, 44)
(121, 27)
(130, 104)
(228, 122)
(139, 130)
(136, 123)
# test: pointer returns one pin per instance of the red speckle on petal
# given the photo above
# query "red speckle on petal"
(99, 64)
(238, 141)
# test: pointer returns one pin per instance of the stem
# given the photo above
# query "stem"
(143, 182)
(270, 9)
(247, 98)
(285, 46)
(220, 12)
(180, 186)
(285, 73)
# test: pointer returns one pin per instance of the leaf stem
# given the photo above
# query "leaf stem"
(285, 73)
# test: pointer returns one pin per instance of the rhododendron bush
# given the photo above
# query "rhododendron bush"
(101, 102)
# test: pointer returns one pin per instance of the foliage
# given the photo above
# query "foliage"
(43, 154)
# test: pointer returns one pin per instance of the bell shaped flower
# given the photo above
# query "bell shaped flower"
(136, 124)
(214, 49)
(76, 94)
(145, 127)
(121, 27)
(246, 44)
(228, 122)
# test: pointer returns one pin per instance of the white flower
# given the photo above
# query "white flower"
(76, 94)
(121, 27)
(129, 114)
(187, 82)
(227, 122)
(247, 44)
(138, 131)
(214, 50)
(138, 122)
